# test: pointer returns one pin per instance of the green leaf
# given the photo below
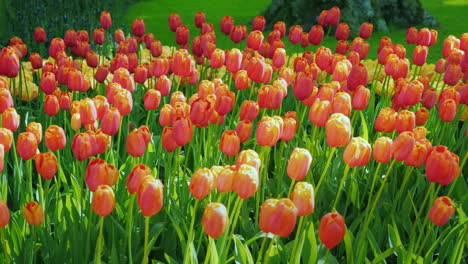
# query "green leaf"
(365, 131)
(170, 260)
(387, 253)
(214, 258)
(395, 241)
(242, 252)
(310, 243)
(348, 240)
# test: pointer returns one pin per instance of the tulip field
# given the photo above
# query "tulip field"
(116, 148)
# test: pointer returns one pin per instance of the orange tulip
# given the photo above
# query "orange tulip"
(442, 166)
(137, 141)
(150, 196)
(229, 143)
(386, 120)
(424, 37)
(46, 165)
(136, 176)
(299, 164)
(268, 132)
(183, 63)
(383, 149)
(365, 30)
(441, 211)
(6, 138)
(405, 121)
(225, 179)
(421, 116)
(123, 101)
(241, 80)
(278, 216)
(10, 119)
(248, 157)
(342, 103)
(167, 139)
(420, 55)
(99, 36)
(255, 39)
(84, 146)
(33, 213)
(303, 197)
(103, 200)
(26, 145)
(338, 130)
(258, 23)
(332, 229)
(249, 110)
(39, 35)
(36, 61)
(4, 214)
(357, 152)
(418, 155)
(215, 219)
(289, 129)
(2, 158)
(403, 146)
(201, 183)
(99, 172)
(246, 180)
(183, 130)
(55, 138)
(448, 110)
(319, 112)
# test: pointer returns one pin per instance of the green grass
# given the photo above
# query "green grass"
(449, 14)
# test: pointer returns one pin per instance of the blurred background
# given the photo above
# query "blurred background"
(390, 17)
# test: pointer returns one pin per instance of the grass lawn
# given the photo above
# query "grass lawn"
(450, 14)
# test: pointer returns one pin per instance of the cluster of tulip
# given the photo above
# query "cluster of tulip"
(92, 105)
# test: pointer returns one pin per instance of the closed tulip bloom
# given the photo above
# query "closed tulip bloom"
(51, 105)
(322, 19)
(249, 110)
(434, 34)
(421, 116)
(365, 31)
(299, 164)
(36, 129)
(56, 45)
(99, 172)
(442, 166)
(418, 155)
(84, 146)
(217, 59)
(357, 76)
(319, 112)
(244, 130)
(278, 216)
(429, 98)
(70, 38)
(167, 139)
(26, 145)
(448, 110)
(215, 219)
(201, 183)
(333, 16)
(99, 36)
(33, 213)
(316, 34)
(241, 80)
(383, 149)
(233, 60)
(238, 33)
(152, 99)
(342, 31)
(441, 211)
(360, 98)
(295, 34)
(138, 27)
(136, 143)
(46, 165)
(88, 112)
(2, 160)
(174, 21)
(105, 20)
(332, 229)
(246, 181)
(386, 120)
(48, 84)
(150, 196)
(183, 130)
(225, 179)
(103, 200)
(163, 85)
(123, 101)
(303, 86)
(342, 103)
(452, 74)
(357, 152)
(141, 74)
(36, 60)
(268, 132)
(256, 69)
(249, 157)
(39, 35)
(405, 121)
(110, 121)
(323, 57)
(254, 40)
(226, 25)
(9, 62)
(424, 37)
(137, 174)
(420, 55)
(412, 35)
(338, 130)
(289, 130)
(342, 47)
(10, 119)
(55, 138)
(101, 73)
(403, 146)
(304, 198)
(4, 214)
(6, 101)
(182, 35)
(229, 143)
(6, 138)
(183, 63)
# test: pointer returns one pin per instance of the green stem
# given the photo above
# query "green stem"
(208, 253)
(426, 237)
(259, 258)
(267, 253)
(295, 246)
(236, 210)
(291, 187)
(145, 250)
(187, 258)
(99, 242)
(129, 227)
(343, 179)
(4, 245)
(29, 170)
(324, 172)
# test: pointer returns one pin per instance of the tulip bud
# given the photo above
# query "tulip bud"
(342, 31)
(103, 200)
(403, 146)
(420, 55)
(246, 180)
(295, 34)
(215, 219)
(150, 196)
(383, 149)
(303, 197)
(448, 110)
(201, 183)
(4, 214)
(46, 165)
(268, 132)
(225, 179)
(338, 130)
(442, 166)
(299, 164)
(316, 34)
(26, 145)
(105, 20)
(229, 143)
(357, 152)
(441, 211)
(33, 213)
(421, 116)
(332, 229)
(365, 30)
(278, 216)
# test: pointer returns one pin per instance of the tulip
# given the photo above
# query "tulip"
(137, 141)
(268, 132)
(383, 149)
(201, 183)
(448, 110)
(452, 74)
(9, 62)
(254, 40)
(225, 179)
(420, 55)
(342, 103)
(226, 24)
(99, 36)
(46, 165)
(303, 197)
(386, 120)
(182, 35)
(217, 59)
(441, 211)
(6, 138)
(424, 37)
(246, 180)
(316, 34)
(39, 35)
(357, 76)
(295, 34)
(84, 146)
(215, 220)
(403, 146)
(229, 143)
(405, 121)
(33, 213)
(2, 163)
(150, 196)
(323, 57)
(4, 214)
(99, 172)
(357, 152)
(299, 164)
(248, 157)
(417, 156)
(342, 47)
(238, 33)
(183, 63)
(183, 130)
(442, 166)
(138, 27)
(36, 60)
(322, 19)
(105, 20)
(421, 116)
(136, 176)
(332, 229)
(342, 31)
(278, 216)
(365, 31)
(103, 200)
(6, 101)
(26, 145)
(338, 130)
(289, 130)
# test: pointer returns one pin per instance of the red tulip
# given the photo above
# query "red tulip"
(6, 101)
(36, 60)
(258, 23)
(316, 34)
(33, 213)
(342, 31)
(442, 166)
(150, 196)
(229, 143)
(215, 219)
(40, 35)
(365, 30)
(332, 229)
(201, 183)
(403, 146)
(226, 24)
(441, 211)
(278, 216)
(9, 62)
(105, 20)
(4, 214)
(103, 200)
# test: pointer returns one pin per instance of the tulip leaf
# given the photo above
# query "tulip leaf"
(169, 259)
(387, 253)
(395, 241)
(310, 243)
(348, 240)
(214, 258)
(242, 252)
(365, 131)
